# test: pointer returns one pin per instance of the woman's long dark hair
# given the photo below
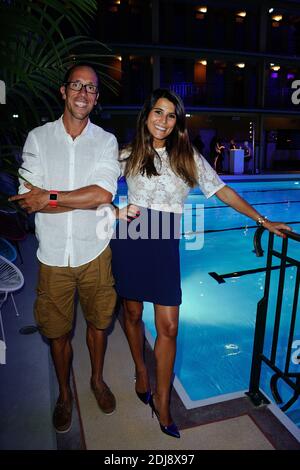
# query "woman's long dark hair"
(178, 146)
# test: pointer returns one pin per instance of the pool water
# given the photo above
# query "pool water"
(217, 321)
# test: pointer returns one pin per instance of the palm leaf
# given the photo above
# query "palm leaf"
(34, 53)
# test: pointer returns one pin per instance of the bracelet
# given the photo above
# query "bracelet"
(260, 221)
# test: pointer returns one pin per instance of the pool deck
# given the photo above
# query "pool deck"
(230, 425)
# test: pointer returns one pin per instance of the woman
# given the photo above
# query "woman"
(161, 167)
(219, 149)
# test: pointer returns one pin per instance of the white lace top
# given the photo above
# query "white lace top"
(167, 192)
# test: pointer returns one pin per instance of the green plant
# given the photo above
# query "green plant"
(39, 40)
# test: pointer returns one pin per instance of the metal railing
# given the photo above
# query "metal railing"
(291, 378)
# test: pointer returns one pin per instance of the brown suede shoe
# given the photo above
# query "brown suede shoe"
(62, 416)
(105, 399)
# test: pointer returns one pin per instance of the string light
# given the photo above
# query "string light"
(277, 17)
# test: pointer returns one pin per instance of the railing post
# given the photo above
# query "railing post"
(254, 392)
(259, 334)
(258, 356)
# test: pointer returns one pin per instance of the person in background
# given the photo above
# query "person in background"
(247, 156)
(160, 166)
(219, 156)
(232, 145)
(73, 167)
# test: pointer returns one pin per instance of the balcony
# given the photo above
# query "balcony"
(280, 98)
(214, 93)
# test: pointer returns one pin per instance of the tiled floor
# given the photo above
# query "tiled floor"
(28, 392)
(131, 426)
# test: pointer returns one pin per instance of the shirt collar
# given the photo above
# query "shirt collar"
(61, 127)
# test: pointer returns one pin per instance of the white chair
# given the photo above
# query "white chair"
(11, 280)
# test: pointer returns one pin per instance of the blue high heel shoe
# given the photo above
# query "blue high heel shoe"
(143, 396)
(170, 430)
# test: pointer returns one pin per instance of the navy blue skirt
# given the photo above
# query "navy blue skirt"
(145, 258)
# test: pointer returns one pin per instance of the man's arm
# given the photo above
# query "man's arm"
(37, 199)
(88, 197)
(31, 169)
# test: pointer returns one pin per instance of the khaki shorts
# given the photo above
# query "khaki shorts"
(54, 306)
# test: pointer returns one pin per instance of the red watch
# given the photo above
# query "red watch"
(53, 198)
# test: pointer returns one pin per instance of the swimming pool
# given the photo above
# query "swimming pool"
(215, 339)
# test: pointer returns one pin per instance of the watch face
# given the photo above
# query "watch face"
(53, 197)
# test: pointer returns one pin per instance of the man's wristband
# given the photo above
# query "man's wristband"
(260, 221)
(53, 198)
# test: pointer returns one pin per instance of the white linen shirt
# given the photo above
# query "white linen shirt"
(167, 191)
(54, 161)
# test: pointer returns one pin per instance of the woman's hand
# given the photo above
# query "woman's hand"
(128, 213)
(234, 200)
(275, 227)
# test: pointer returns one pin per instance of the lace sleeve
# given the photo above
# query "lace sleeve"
(208, 179)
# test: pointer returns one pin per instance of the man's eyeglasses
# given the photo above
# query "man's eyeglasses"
(77, 86)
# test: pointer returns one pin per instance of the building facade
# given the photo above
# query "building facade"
(236, 65)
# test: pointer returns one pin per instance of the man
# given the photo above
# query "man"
(72, 167)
